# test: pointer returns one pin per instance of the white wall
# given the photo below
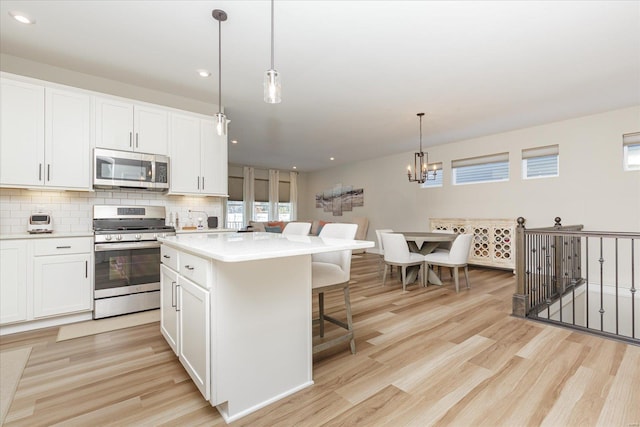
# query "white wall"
(592, 189)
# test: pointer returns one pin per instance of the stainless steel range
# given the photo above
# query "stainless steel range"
(127, 258)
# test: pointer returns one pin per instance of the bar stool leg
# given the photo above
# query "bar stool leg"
(321, 310)
(347, 303)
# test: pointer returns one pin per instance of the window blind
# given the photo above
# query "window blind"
(235, 188)
(481, 169)
(549, 150)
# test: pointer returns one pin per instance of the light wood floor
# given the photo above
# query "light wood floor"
(425, 357)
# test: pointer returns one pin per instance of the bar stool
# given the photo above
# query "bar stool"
(332, 271)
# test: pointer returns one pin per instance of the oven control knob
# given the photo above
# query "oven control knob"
(119, 237)
(107, 237)
(138, 236)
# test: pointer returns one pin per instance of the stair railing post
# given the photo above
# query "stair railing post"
(558, 273)
(520, 301)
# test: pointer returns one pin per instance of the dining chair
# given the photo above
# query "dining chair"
(332, 271)
(380, 249)
(457, 257)
(297, 228)
(396, 253)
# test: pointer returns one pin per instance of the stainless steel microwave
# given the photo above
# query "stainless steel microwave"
(126, 169)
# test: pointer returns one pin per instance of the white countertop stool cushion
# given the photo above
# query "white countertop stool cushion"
(297, 228)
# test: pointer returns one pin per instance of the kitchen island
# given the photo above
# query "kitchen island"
(236, 309)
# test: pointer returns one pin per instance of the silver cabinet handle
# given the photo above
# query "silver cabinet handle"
(136, 139)
(86, 269)
(39, 171)
(49, 172)
(188, 267)
(63, 247)
(174, 290)
(198, 183)
(203, 182)
(166, 256)
(130, 139)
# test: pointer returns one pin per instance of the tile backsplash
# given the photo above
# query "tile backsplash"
(72, 211)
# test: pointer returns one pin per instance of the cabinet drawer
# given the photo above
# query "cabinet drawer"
(63, 245)
(169, 257)
(194, 268)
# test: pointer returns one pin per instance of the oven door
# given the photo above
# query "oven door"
(126, 268)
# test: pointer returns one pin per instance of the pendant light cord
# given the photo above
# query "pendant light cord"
(272, 34)
(219, 66)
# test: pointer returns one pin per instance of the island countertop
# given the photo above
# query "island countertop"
(238, 247)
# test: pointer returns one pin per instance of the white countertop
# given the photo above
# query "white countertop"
(236, 247)
(206, 230)
(25, 235)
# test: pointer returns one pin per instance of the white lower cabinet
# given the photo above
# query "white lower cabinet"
(61, 284)
(169, 306)
(45, 278)
(185, 313)
(193, 324)
(13, 281)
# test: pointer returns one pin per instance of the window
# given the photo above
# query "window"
(235, 205)
(261, 193)
(540, 162)
(284, 205)
(434, 182)
(631, 143)
(235, 210)
(481, 169)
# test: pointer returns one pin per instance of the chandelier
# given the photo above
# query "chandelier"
(421, 163)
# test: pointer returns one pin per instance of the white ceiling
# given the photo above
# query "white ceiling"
(354, 73)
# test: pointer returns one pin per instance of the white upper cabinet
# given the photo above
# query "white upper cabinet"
(198, 157)
(45, 138)
(122, 125)
(67, 139)
(21, 133)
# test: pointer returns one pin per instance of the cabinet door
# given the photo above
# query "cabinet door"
(21, 133)
(13, 281)
(114, 124)
(213, 160)
(503, 248)
(67, 140)
(169, 306)
(194, 326)
(61, 284)
(151, 130)
(185, 154)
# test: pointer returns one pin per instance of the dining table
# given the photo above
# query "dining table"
(425, 242)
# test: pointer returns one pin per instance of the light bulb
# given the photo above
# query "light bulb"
(272, 87)
(221, 124)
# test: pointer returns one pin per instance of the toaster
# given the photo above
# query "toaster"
(40, 223)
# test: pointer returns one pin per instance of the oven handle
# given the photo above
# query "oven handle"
(103, 247)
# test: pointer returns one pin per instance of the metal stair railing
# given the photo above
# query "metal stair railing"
(585, 280)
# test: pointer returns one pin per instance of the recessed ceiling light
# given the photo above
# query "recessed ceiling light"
(203, 73)
(295, 167)
(234, 141)
(22, 18)
(331, 158)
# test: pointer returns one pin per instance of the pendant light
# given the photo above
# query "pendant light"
(272, 88)
(420, 163)
(221, 119)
